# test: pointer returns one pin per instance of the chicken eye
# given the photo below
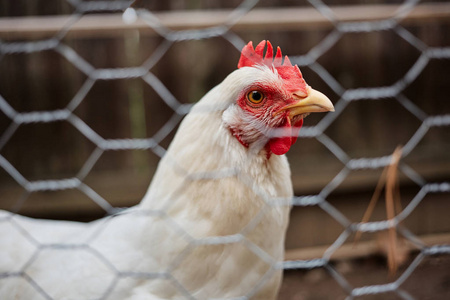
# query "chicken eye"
(255, 97)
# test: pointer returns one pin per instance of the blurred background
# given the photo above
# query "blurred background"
(385, 65)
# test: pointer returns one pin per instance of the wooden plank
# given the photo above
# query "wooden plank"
(122, 188)
(267, 19)
(362, 249)
(365, 180)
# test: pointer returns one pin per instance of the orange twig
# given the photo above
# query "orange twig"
(389, 179)
(372, 204)
(391, 183)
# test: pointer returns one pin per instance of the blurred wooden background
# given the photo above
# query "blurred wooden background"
(130, 108)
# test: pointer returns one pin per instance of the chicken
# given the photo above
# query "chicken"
(212, 223)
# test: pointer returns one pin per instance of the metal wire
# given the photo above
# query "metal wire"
(310, 59)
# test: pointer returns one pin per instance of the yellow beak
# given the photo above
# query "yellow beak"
(315, 101)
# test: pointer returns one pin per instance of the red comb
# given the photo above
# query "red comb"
(251, 57)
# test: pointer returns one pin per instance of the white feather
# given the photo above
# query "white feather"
(206, 186)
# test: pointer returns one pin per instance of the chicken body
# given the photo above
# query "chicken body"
(211, 225)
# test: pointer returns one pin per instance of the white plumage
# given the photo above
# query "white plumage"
(207, 186)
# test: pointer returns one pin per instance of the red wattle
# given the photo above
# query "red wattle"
(281, 145)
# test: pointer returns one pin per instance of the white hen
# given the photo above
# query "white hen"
(205, 228)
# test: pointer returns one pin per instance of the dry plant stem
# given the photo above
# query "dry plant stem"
(372, 204)
(393, 206)
(391, 183)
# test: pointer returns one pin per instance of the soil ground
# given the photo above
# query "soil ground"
(429, 281)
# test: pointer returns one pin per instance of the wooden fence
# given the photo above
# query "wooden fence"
(129, 108)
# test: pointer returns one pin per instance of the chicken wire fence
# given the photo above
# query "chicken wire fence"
(144, 71)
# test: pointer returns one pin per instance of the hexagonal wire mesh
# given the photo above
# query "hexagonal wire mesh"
(39, 245)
